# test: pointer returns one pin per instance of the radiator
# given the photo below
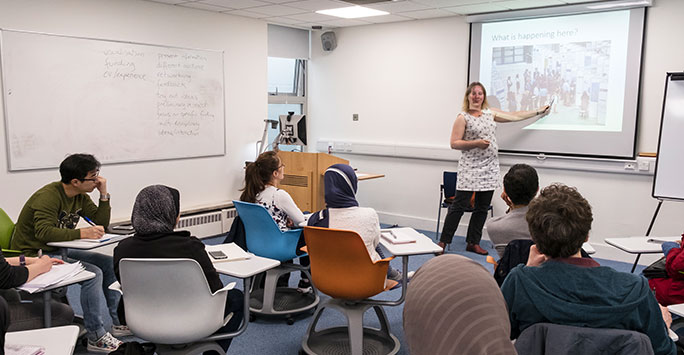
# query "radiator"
(227, 217)
(204, 225)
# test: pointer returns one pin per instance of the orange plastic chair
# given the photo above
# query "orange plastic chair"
(342, 268)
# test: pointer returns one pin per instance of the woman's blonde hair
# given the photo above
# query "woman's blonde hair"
(466, 104)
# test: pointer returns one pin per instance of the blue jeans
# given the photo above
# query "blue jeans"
(91, 290)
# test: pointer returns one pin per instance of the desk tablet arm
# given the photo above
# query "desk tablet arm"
(116, 286)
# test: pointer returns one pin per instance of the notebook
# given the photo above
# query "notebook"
(400, 235)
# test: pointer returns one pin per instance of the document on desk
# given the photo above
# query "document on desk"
(106, 238)
(57, 274)
(231, 250)
(14, 349)
(400, 235)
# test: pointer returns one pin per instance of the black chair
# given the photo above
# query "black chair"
(547, 338)
(447, 192)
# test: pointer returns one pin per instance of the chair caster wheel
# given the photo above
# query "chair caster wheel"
(289, 321)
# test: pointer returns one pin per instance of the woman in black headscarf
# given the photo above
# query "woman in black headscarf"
(343, 212)
(155, 214)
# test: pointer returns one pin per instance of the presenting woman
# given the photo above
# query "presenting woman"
(478, 168)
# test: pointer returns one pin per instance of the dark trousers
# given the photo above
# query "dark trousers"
(478, 217)
(4, 322)
(235, 304)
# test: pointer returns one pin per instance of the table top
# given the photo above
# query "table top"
(55, 340)
(588, 248)
(242, 268)
(640, 245)
(423, 245)
(80, 244)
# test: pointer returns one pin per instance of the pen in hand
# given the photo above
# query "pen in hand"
(40, 253)
(89, 221)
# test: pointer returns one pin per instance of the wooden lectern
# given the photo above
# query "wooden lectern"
(304, 177)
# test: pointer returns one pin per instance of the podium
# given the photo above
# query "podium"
(304, 177)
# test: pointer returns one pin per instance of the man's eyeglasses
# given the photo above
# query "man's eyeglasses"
(93, 179)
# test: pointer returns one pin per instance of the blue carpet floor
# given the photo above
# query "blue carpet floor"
(274, 337)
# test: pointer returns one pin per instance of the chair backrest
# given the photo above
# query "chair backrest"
(262, 234)
(6, 230)
(168, 301)
(341, 266)
(449, 182)
(556, 339)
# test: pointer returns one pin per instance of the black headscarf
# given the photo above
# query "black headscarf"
(155, 210)
(340, 186)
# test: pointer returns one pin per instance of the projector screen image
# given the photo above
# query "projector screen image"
(585, 66)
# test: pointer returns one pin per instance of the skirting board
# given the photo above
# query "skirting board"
(603, 251)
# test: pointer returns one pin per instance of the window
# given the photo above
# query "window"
(286, 93)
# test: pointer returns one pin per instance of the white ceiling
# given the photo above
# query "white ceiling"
(301, 13)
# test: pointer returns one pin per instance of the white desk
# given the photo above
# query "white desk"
(588, 248)
(242, 269)
(84, 245)
(56, 341)
(423, 245)
(639, 245)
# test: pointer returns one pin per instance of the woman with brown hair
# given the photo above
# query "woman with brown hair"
(478, 167)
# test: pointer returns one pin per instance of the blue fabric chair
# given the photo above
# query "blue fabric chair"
(447, 192)
(265, 239)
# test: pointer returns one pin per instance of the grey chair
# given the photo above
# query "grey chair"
(556, 339)
(169, 302)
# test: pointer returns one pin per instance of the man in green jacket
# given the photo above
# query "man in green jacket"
(51, 215)
(559, 286)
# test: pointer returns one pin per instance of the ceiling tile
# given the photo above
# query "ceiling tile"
(387, 18)
(172, 2)
(476, 9)
(312, 17)
(277, 10)
(201, 6)
(398, 6)
(282, 20)
(315, 5)
(245, 13)
(528, 4)
(448, 3)
(235, 4)
(422, 14)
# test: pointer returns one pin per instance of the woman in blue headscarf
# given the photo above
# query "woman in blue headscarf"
(343, 212)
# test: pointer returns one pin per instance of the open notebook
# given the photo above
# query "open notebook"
(231, 250)
(400, 235)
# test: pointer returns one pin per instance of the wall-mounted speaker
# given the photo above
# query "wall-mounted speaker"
(329, 41)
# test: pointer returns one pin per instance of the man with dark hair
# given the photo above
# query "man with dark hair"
(559, 286)
(51, 215)
(521, 184)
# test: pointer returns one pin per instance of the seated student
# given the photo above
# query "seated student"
(51, 215)
(558, 286)
(343, 212)
(460, 312)
(261, 186)
(17, 315)
(155, 214)
(521, 184)
(670, 290)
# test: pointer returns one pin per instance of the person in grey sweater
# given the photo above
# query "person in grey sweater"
(521, 184)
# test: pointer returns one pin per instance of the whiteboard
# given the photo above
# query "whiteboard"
(121, 101)
(669, 172)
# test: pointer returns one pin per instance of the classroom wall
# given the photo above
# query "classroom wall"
(201, 180)
(406, 81)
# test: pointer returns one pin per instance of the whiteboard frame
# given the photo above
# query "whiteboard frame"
(4, 96)
(668, 78)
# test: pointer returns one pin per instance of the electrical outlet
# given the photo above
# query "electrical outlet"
(630, 166)
(355, 117)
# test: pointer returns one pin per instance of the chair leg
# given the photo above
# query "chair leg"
(439, 215)
(355, 321)
(382, 318)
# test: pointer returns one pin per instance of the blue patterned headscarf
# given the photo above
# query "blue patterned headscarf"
(340, 186)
